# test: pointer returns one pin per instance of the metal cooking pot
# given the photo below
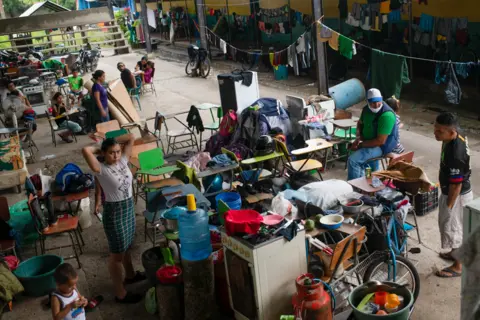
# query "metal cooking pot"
(352, 208)
(170, 218)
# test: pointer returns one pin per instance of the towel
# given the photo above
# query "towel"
(333, 41)
(345, 47)
(389, 72)
(385, 7)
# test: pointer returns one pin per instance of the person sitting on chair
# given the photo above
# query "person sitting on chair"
(127, 76)
(11, 88)
(76, 86)
(377, 135)
(59, 108)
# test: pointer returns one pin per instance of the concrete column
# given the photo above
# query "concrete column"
(202, 22)
(320, 50)
(146, 28)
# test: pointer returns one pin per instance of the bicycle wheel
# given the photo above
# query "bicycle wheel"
(205, 68)
(189, 68)
(406, 273)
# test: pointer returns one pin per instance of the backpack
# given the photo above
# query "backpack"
(71, 179)
(253, 125)
(228, 124)
(215, 144)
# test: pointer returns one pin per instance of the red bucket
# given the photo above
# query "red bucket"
(242, 221)
(169, 275)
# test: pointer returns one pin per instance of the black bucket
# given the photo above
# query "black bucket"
(152, 260)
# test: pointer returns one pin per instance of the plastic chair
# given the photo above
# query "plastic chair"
(116, 133)
(68, 225)
(173, 136)
(298, 165)
(157, 128)
(150, 86)
(151, 164)
(215, 125)
(135, 94)
(54, 129)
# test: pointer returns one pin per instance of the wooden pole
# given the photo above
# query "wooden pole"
(410, 37)
(320, 49)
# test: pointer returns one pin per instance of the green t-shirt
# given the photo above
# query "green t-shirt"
(76, 83)
(386, 122)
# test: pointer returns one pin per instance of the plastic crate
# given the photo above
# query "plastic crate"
(426, 202)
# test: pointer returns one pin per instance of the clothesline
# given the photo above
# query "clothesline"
(357, 43)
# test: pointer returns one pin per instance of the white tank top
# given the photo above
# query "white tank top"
(74, 314)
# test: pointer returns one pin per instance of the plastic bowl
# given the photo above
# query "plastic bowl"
(272, 219)
(332, 221)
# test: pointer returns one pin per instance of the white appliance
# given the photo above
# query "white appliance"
(261, 278)
(299, 109)
(235, 94)
(471, 221)
(36, 96)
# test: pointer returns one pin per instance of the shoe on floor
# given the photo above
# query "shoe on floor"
(130, 298)
(139, 276)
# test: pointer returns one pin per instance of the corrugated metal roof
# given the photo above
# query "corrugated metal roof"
(47, 4)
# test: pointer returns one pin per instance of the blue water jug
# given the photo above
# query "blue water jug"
(194, 232)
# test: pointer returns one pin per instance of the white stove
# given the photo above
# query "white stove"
(36, 96)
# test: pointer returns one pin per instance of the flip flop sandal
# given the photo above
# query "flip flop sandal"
(446, 256)
(139, 276)
(452, 273)
(93, 303)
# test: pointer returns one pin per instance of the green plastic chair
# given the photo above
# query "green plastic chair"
(116, 133)
(215, 125)
(135, 94)
(152, 164)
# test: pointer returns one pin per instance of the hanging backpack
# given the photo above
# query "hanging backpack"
(228, 124)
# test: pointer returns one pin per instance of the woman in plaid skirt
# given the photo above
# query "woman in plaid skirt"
(115, 178)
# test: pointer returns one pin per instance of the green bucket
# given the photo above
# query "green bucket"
(356, 297)
(36, 274)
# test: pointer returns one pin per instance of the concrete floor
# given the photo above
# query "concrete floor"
(439, 298)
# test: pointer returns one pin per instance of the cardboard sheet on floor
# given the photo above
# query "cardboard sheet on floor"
(121, 96)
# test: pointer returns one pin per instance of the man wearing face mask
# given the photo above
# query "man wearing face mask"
(377, 135)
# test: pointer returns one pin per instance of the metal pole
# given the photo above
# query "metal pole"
(188, 23)
(410, 37)
(320, 49)
(202, 24)
(146, 28)
(290, 21)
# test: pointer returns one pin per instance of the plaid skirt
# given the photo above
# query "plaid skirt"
(119, 224)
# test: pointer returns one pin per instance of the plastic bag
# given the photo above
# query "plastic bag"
(84, 216)
(151, 301)
(283, 207)
(46, 182)
(325, 194)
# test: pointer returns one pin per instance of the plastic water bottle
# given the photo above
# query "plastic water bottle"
(194, 232)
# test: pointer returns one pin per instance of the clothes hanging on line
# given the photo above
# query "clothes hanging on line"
(345, 47)
(389, 72)
(333, 41)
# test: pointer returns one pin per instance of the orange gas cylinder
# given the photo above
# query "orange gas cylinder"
(311, 301)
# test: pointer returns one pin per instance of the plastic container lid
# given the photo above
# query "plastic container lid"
(191, 205)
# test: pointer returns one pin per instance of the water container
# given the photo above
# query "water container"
(280, 72)
(194, 232)
(347, 93)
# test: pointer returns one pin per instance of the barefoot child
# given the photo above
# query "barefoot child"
(67, 303)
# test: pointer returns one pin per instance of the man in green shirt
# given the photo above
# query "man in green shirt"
(76, 86)
(377, 134)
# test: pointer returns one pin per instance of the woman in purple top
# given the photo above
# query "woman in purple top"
(100, 95)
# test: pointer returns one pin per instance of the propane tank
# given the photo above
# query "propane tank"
(311, 301)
